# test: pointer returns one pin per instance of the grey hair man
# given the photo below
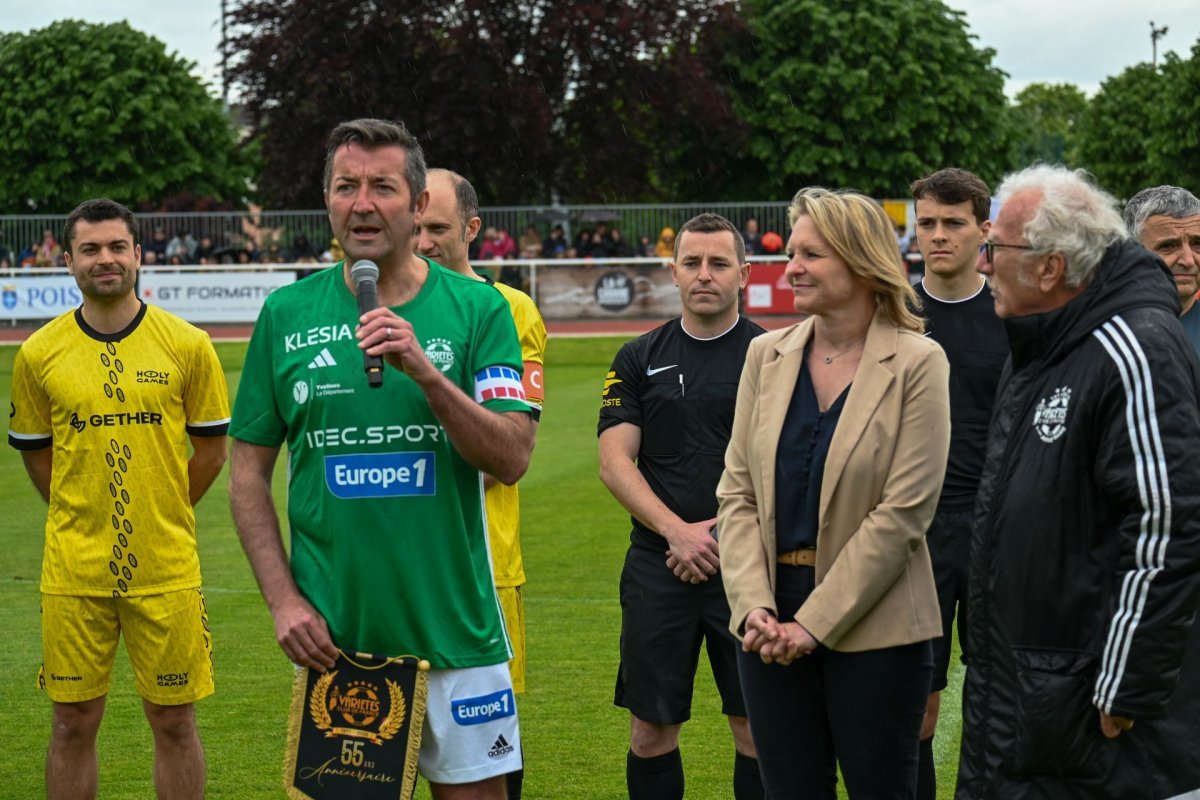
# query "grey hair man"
(1084, 673)
(1166, 220)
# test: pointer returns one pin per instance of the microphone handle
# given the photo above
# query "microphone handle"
(368, 298)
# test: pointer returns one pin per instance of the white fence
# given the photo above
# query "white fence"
(562, 288)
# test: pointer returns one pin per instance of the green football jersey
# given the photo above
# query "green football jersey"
(388, 528)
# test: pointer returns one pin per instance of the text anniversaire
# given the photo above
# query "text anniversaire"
(322, 334)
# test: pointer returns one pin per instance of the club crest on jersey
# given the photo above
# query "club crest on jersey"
(1050, 416)
(440, 353)
(300, 392)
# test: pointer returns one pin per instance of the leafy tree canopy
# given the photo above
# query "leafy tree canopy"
(1047, 116)
(1116, 132)
(102, 110)
(587, 99)
(869, 95)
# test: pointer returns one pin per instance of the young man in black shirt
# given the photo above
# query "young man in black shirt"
(665, 421)
(952, 223)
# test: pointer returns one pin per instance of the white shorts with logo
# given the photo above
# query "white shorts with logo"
(471, 731)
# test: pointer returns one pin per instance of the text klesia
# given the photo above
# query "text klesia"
(322, 334)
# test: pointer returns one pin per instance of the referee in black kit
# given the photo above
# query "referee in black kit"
(665, 421)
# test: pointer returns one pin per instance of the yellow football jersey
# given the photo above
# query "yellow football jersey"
(117, 410)
(503, 503)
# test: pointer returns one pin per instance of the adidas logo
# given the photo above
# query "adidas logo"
(323, 359)
(501, 747)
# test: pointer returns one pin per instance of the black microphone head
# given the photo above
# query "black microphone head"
(364, 271)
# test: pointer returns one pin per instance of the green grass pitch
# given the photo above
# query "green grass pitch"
(574, 536)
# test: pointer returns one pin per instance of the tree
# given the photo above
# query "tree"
(528, 99)
(1176, 139)
(102, 110)
(1117, 131)
(869, 95)
(1047, 117)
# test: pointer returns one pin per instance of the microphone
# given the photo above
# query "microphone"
(365, 274)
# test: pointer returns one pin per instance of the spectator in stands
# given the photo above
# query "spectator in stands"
(645, 247)
(251, 250)
(531, 243)
(150, 258)
(28, 257)
(618, 246)
(273, 254)
(602, 241)
(752, 238)
(335, 252)
(302, 252)
(913, 260)
(6, 260)
(157, 243)
(49, 252)
(585, 247)
(183, 245)
(666, 243)
(555, 245)
(497, 244)
(205, 251)
(176, 260)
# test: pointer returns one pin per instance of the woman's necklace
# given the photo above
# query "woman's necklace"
(829, 359)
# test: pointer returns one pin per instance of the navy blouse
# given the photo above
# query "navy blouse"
(800, 463)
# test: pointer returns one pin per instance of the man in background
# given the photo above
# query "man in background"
(952, 208)
(1166, 220)
(448, 226)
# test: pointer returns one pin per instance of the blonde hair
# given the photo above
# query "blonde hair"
(863, 237)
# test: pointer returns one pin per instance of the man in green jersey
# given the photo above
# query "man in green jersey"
(389, 547)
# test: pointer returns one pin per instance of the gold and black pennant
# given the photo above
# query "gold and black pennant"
(355, 731)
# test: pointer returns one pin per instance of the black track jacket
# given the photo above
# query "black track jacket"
(1084, 578)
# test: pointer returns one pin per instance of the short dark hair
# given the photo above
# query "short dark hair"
(464, 195)
(375, 133)
(712, 223)
(99, 210)
(952, 186)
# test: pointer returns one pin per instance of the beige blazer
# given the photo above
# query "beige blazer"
(883, 476)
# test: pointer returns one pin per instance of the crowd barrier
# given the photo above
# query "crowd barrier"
(563, 289)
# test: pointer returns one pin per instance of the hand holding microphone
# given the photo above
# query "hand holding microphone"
(365, 275)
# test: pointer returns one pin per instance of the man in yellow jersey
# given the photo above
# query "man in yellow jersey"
(450, 223)
(104, 402)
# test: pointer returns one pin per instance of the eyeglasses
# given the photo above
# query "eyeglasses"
(989, 248)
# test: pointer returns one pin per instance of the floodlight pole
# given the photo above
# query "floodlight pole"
(1155, 35)
(225, 61)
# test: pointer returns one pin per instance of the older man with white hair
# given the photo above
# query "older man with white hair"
(1085, 559)
(1166, 220)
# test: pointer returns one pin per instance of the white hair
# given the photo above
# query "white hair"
(1075, 217)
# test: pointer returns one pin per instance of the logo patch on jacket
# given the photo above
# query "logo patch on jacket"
(1050, 417)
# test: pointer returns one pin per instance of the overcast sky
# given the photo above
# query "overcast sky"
(1076, 41)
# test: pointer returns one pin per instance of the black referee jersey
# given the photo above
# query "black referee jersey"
(681, 392)
(976, 344)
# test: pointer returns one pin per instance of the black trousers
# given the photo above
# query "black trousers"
(860, 710)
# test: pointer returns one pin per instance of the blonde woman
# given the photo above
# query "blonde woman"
(832, 476)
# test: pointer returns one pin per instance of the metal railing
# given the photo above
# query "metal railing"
(232, 231)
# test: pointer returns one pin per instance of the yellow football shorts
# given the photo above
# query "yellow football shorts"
(514, 619)
(167, 637)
